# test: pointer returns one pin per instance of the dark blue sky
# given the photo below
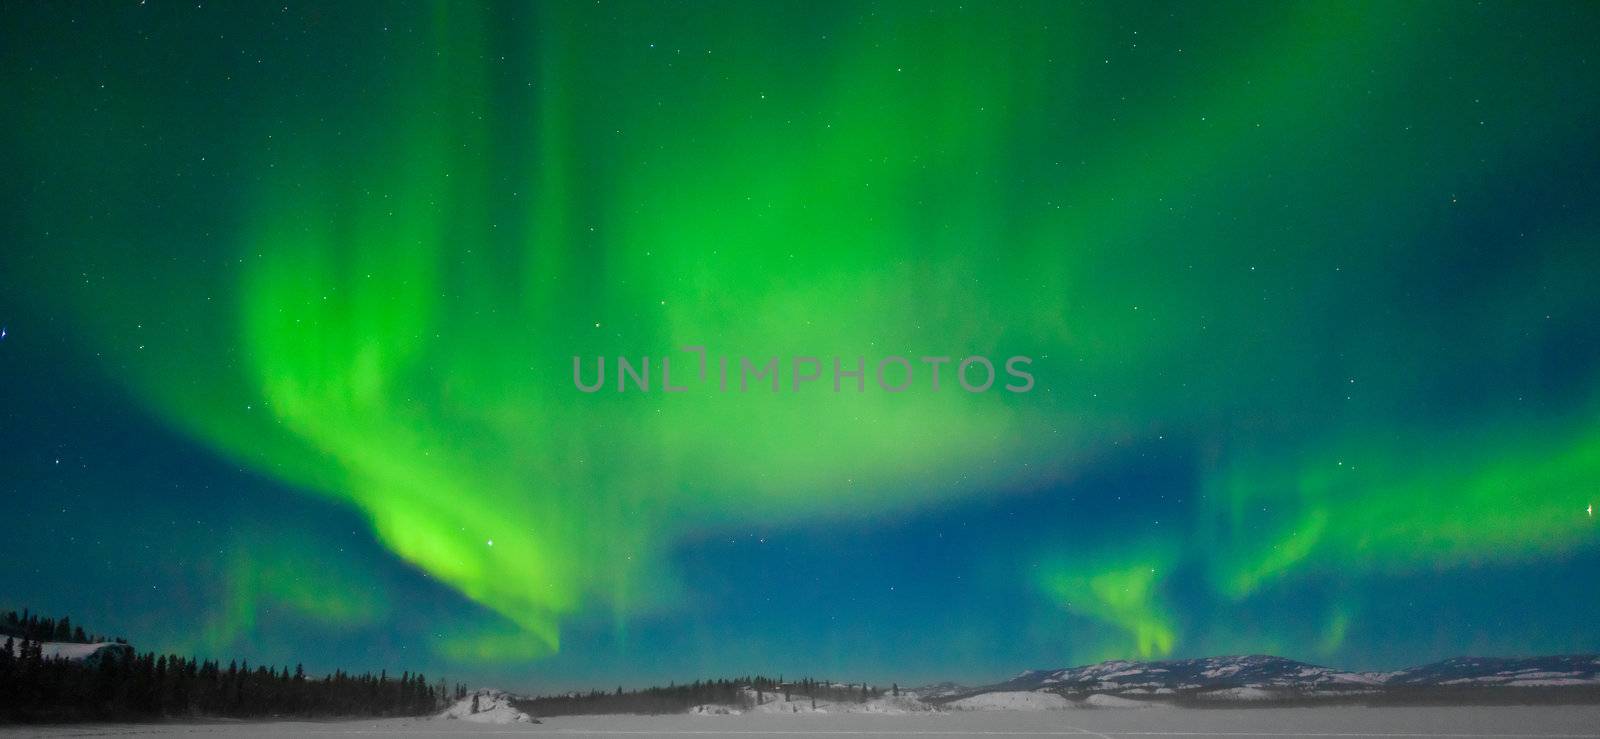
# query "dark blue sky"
(291, 297)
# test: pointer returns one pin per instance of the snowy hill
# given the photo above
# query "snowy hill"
(1011, 700)
(1263, 679)
(1259, 671)
(487, 707)
(1563, 670)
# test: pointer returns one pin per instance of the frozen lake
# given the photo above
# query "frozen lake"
(1515, 721)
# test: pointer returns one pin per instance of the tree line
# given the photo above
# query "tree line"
(37, 628)
(118, 683)
(743, 692)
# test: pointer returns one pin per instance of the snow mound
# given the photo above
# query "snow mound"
(494, 707)
(1018, 700)
(906, 702)
(715, 709)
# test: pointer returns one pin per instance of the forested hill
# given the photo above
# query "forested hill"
(50, 680)
(742, 693)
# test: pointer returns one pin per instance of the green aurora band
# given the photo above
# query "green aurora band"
(1230, 253)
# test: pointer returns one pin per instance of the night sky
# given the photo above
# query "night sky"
(290, 297)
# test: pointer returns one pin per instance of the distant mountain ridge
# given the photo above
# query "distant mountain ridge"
(1265, 677)
(1571, 669)
(1210, 672)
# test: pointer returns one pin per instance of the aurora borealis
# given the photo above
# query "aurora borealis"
(292, 295)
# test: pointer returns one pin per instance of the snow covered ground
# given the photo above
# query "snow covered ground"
(1516, 721)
